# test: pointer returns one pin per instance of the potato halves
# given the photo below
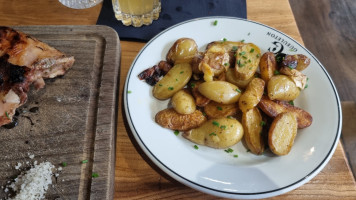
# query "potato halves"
(253, 125)
(173, 81)
(268, 65)
(282, 133)
(252, 95)
(247, 60)
(182, 51)
(216, 133)
(220, 91)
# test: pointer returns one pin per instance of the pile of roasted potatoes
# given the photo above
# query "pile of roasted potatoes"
(230, 92)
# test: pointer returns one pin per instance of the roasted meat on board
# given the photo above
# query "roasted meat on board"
(25, 60)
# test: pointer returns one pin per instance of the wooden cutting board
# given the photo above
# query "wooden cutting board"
(72, 119)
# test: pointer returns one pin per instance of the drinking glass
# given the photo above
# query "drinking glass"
(136, 12)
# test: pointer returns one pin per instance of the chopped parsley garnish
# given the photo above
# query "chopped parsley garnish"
(215, 22)
(224, 39)
(159, 84)
(176, 132)
(7, 115)
(240, 64)
(219, 108)
(248, 33)
(64, 164)
(215, 123)
(237, 90)
(129, 92)
(258, 55)
(196, 147)
(226, 64)
(95, 175)
(235, 156)
(181, 72)
(248, 150)
(263, 123)
(276, 72)
(242, 53)
(229, 150)
(244, 57)
(229, 117)
(291, 103)
(170, 88)
(234, 48)
(192, 85)
(176, 79)
(212, 134)
(306, 86)
(223, 127)
(85, 161)
(290, 67)
(252, 50)
(242, 40)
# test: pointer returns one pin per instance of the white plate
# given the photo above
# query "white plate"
(215, 171)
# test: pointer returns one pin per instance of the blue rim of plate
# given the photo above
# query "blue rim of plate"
(287, 188)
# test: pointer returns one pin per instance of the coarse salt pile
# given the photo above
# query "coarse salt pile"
(34, 183)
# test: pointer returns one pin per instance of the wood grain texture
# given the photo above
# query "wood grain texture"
(76, 117)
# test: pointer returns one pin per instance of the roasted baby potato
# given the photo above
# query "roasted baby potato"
(173, 81)
(169, 118)
(253, 124)
(282, 133)
(182, 51)
(200, 100)
(268, 66)
(281, 87)
(298, 77)
(231, 78)
(217, 110)
(229, 46)
(274, 108)
(298, 62)
(220, 91)
(183, 102)
(215, 61)
(252, 95)
(247, 60)
(216, 133)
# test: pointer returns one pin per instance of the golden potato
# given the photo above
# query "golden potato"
(182, 51)
(173, 81)
(229, 46)
(183, 102)
(231, 78)
(169, 118)
(217, 110)
(298, 62)
(247, 60)
(252, 95)
(253, 124)
(281, 87)
(220, 91)
(274, 108)
(216, 133)
(282, 133)
(268, 66)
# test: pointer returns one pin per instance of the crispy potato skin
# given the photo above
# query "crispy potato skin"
(251, 122)
(217, 110)
(252, 95)
(183, 102)
(182, 51)
(247, 60)
(200, 100)
(297, 61)
(283, 88)
(282, 133)
(274, 108)
(169, 118)
(268, 65)
(216, 133)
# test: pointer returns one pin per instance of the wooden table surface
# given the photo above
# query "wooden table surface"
(134, 177)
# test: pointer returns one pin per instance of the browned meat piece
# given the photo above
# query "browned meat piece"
(25, 60)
